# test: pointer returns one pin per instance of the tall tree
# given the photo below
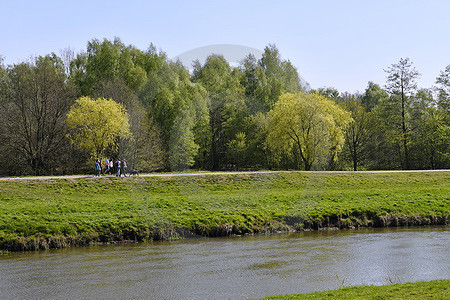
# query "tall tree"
(373, 95)
(190, 129)
(443, 88)
(179, 107)
(254, 81)
(67, 56)
(264, 81)
(401, 84)
(37, 101)
(433, 139)
(281, 75)
(357, 134)
(430, 133)
(183, 148)
(110, 60)
(226, 103)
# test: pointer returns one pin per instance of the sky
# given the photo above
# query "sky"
(342, 43)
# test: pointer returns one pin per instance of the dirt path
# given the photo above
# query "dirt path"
(212, 173)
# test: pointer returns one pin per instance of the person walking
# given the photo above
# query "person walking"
(118, 168)
(98, 168)
(106, 166)
(124, 168)
(111, 166)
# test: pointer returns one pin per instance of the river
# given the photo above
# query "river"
(230, 268)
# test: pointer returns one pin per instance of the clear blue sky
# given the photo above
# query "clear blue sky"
(340, 43)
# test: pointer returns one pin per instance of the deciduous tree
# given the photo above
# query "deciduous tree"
(309, 125)
(401, 84)
(281, 76)
(38, 98)
(357, 133)
(180, 109)
(443, 88)
(97, 124)
(226, 103)
(111, 60)
(373, 95)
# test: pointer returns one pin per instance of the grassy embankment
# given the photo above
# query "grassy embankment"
(42, 214)
(438, 289)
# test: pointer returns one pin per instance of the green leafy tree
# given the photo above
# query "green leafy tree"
(144, 148)
(97, 124)
(281, 76)
(308, 125)
(373, 95)
(159, 96)
(385, 146)
(443, 89)
(435, 138)
(401, 85)
(190, 129)
(264, 81)
(330, 93)
(176, 105)
(77, 70)
(237, 150)
(429, 132)
(257, 154)
(183, 148)
(226, 103)
(357, 133)
(254, 81)
(111, 60)
(196, 98)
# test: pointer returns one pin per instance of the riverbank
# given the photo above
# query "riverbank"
(437, 289)
(57, 213)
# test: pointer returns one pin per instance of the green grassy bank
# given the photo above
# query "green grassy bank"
(55, 213)
(438, 289)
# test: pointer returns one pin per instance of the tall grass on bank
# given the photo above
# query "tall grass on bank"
(55, 213)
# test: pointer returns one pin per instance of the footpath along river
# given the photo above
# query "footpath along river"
(230, 268)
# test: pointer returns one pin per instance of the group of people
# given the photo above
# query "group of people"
(110, 166)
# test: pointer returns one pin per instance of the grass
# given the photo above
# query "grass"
(438, 289)
(54, 213)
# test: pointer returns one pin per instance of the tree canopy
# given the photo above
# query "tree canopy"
(36, 98)
(97, 124)
(310, 126)
(158, 115)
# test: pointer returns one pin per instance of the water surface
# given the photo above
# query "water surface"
(230, 268)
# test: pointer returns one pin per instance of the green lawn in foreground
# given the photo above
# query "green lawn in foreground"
(438, 289)
(117, 208)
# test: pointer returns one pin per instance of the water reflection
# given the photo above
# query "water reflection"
(230, 268)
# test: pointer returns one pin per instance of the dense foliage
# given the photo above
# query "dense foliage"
(216, 117)
(97, 123)
(310, 126)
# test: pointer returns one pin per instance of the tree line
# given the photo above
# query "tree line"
(114, 100)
